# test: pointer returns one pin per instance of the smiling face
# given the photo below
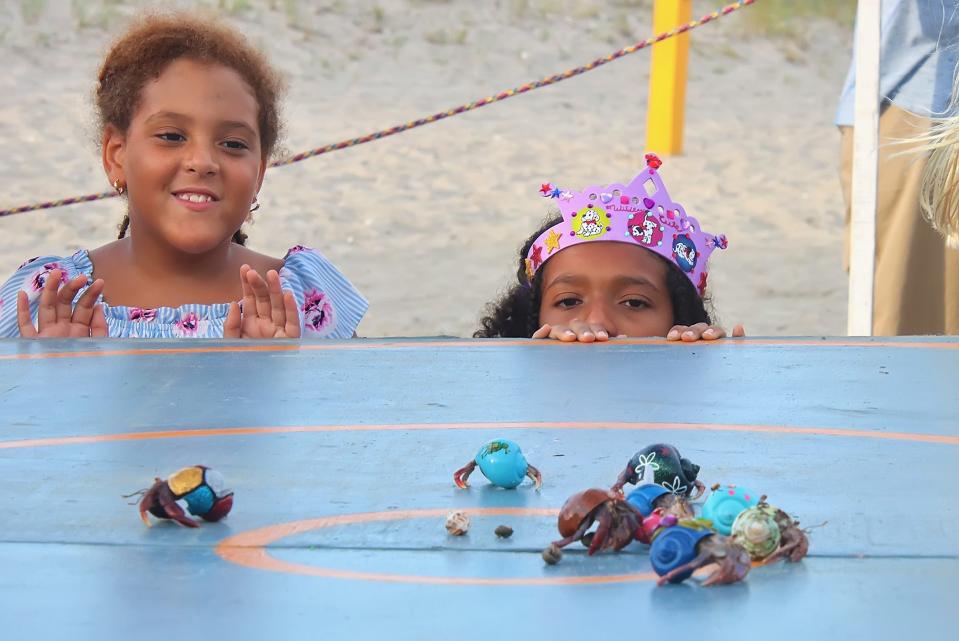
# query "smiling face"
(191, 158)
(615, 285)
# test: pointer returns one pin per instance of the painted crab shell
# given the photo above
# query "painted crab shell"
(679, 551)
(502, 462)
(661, 464)
(644, 498)
(577, 508)
(674, 547)
(725, 504)
(757, 531)
(197, 490)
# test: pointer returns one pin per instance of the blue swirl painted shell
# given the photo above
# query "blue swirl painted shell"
(674, 547)
(644, 497)
(725, 504)
(502, 462)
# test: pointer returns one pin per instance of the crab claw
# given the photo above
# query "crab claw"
(461, 475)
(147, 499)
(793, 549)
(700, 490)
(621, 480)
(534, 476)
(733, 568)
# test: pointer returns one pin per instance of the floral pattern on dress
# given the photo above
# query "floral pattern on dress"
(188, 325)
(329, 305)
(138, 314)
(40, 278)
(317, 311)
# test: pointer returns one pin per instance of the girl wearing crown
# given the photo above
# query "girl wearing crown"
(624, 260)
(188, 113)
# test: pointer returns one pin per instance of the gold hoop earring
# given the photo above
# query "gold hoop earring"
(254, 206)
(118, 187)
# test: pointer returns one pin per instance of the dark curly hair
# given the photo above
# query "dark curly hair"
(157, 39)
(516, 313)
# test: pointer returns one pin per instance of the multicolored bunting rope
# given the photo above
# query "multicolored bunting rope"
(545, 82)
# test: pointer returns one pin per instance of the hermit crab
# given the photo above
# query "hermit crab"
(502, 462)
(197, 490)
(661, 464)
(653, 499)
(768, 534)
(680, 550)
(619, 523)
(725, 504)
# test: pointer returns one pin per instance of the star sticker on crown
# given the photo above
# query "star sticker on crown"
(537, 256)
(653, 161)
(552, 241)
(546, 189)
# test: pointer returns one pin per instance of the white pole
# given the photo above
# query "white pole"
(864, 170)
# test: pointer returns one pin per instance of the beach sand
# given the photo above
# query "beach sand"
(428, 223)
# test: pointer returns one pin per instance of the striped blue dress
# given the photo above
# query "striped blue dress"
(329, 305)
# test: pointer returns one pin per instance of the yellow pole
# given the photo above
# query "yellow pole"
(667, 80)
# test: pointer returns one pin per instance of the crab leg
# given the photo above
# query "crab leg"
(602, 531)
(696, 563)
(641, 534)
(700, 490)
(461, 475)
(147, 500)
(577, 535)
(621, 480)
(172, 509)
(534, 476)
(624, 532)
(790, 550)
(734, 567)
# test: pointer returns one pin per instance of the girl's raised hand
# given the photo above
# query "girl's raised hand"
(575, 331)
(701, 331)
(268, 311)
(57, 317)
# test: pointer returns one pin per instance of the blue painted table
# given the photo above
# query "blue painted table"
(341, 456)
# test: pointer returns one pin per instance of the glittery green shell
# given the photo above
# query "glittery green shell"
(756, 530)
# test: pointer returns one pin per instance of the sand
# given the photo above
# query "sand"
(428, 223)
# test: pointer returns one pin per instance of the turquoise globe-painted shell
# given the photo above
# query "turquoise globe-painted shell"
(673, 547)
(725, 504)
(756, 530)
(502, 462)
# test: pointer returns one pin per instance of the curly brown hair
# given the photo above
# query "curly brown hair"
(155, 40)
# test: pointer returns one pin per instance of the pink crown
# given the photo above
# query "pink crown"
(641, 213)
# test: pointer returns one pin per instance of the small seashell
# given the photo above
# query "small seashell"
(503, 531)
(457, 523)
(552, 554)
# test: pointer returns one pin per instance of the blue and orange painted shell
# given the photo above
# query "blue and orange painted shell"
(202, 490)
(502, 462)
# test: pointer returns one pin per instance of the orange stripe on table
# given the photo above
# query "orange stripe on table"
(402, 427)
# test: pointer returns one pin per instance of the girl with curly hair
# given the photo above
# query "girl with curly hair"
(620, 261)
(189, 118)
